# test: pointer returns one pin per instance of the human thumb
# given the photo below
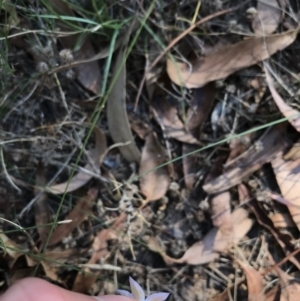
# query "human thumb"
(34, 289)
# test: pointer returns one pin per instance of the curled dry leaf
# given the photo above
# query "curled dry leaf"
(200, 107)
(228, 60)
(154, 181)
(283, 240)
(288, 178)
(117, 118)
(287, 111)
(288, 289)
(282, 220)
(260, 153)
(41, 208)
(254, 281)
(82, 209)
(167, 116)
(268, 17)
(88, 73)
(221, 211)
(84, 281)
(82, 177)
(216, 241)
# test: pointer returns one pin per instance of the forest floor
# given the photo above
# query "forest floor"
(157, 140)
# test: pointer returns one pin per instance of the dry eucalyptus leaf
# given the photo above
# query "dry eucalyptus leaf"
(287, 111)
(82, 177)
(167, 116)
(282, 220)
(220, 210)
(118, 123)
(84, 281)
(200, 107)
(155, 180)
(217, 241)
(254, 281)
(41, 208)
(267, 18)
(283, 240)
(228, 60)
(288, 178)
(88, 74)
(260, 153)
(82, 209)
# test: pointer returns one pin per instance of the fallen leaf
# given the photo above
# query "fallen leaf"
(282, 220)
(118, 123)
(289, 289)
(228, 60)
(85, 279)
(260, 153)
(283, 240)
(221, 211)
(155, 180)
(200, 107)
(41, 208)
(216, 241)
(254, 282)
(82, 209)
(88, 73)
(287, 111)
(267, 18)
(167, 117)
(141, 128)
(11, 248)
(83, 177)
(288, 178)
(293, 153)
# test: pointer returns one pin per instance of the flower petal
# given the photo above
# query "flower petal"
(136, 290)
(125, 293)
(158, 297)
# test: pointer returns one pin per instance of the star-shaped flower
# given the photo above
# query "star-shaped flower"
(137, 293)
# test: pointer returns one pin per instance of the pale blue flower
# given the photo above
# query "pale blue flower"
(137, 293)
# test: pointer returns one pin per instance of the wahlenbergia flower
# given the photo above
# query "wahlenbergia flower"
(137, 293)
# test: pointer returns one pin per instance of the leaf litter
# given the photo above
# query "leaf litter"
(197, 218)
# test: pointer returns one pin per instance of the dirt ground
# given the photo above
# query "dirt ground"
(157, 140)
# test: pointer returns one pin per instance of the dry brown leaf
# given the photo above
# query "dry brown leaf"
(282, 220)
(228, 60)
(84, 281)
(260, 153)
(11, 248)
(289, 289)
(167, 116)
(267, 18)
(216, 241)
(200, 107)
(88, 74)
(41, 208)
(221, 211)
(283, 240)
(15, 251)
(117, 118)
(254, 281)
(141, 128)
(154, 181)
(288, 178)
(83, 177)
(82, 209)
(293, 153)
(287, 111)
